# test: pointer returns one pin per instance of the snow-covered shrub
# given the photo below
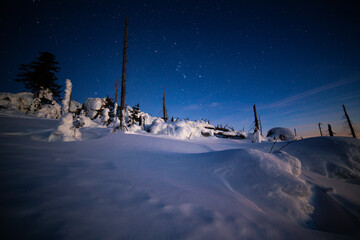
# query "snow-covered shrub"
(94, 106)
(256, 137)
(105, 116)
(181, 129)
(19, 101)
(66, 131)
(280, 133)
(75, 107)
(49, 111)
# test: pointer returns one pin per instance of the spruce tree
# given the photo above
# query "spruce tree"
(40, 74)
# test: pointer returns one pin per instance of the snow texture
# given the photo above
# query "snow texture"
(67, 98)
(140, 185)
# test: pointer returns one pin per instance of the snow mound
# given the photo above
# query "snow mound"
(271, 181)
(342, 159)
(281, 133)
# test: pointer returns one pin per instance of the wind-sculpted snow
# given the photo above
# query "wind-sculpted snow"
(143, 186)
(269, 180)
(335, 157)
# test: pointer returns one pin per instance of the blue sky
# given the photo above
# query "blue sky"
(298, 61)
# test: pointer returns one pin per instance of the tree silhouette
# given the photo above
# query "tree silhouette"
(40, 74)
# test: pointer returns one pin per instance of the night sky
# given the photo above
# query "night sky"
(299, 61)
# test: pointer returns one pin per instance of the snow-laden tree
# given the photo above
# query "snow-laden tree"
(67, 98)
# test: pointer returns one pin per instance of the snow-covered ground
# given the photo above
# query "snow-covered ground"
(148, 186)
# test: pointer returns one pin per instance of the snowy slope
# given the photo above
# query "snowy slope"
(144, 186)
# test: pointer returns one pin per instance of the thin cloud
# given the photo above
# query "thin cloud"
(297, 97)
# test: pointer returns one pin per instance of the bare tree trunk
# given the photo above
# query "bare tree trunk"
(123, 79)
(320, 129)
(260, 125)
(165, 116)
(349, 122)
(295, 131)
(331, 133)
(116, 90)
(115, 103)
(256, 120)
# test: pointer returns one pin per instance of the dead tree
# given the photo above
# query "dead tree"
(123, 80)
(116, 90)
(256, 120)
(331, 133)
(295, 132)
(260, 125)
(165, 115)
(320, 129)
(349, 122)
(115, 103)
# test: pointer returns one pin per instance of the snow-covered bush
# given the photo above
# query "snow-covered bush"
(180, 129)
(42, 106)
(49, 111)
(19, 101)
(105, 116)
(66, 131)
(94, 106)
(280, 133)
(75, 107)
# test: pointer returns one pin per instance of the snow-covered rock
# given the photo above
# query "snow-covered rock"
(281, 133)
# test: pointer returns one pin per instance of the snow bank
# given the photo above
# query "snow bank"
(270, 180)
(280, 133)
(342, 159)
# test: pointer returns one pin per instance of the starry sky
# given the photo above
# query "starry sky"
(298, 61)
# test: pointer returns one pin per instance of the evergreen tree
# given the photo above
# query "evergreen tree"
(40, 74)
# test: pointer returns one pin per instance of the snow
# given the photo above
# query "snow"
(49, 111)
(153, 186)
(93, 106)
(75, 106)
(105, 115)
(19, 101)
(281, 133)
(67, 98)
(66, 131)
